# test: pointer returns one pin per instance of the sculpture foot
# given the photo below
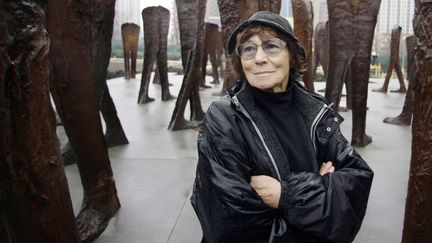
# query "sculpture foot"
(204, 86)
(182, 124)
(361, 141)
(68, 155)
(342, 109)
(218, 93)
(322, 90)
(382, 90)
(215, 82)
(400, 90)
(94, 217)
(402, 120)
(168, 96)
(146, 100)
(115, 138)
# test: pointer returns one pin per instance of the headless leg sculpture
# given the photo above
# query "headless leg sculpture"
(191, 21)
(350, 38)
(404, 118)
(156, 24)
(70, 25)
(303, 29)
(321, 46)
(114, 133)
(130, 35)
(394, 63)
(35, 203)
(418, 218)
(213, 47)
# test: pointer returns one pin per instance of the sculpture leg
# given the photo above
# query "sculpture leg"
(114, 133)
(193, 68)
(359, 78)
(214, 65)
(35, 203)
(204, 68)
(133, 60)
(418, 220)
(337, 73)
(402, 87)
(384, 88)
(404, 118)
(149, 60)
(72, 81)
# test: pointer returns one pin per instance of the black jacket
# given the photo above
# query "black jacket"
(236, 142)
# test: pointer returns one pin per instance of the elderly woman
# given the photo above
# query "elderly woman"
(273, 165)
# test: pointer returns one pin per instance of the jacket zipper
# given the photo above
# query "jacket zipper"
(240, 108)
(315, 122)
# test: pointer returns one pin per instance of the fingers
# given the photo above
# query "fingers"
(326, 167)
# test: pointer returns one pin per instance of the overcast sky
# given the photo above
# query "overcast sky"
(164, 3)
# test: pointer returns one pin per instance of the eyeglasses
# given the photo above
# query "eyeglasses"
(271, 47)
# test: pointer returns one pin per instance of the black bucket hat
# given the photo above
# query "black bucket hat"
(269, 19)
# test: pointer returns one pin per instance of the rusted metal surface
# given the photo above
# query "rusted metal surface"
(102, 34)
(394, 63)
(303, 29)
(213, 47)
(35, 203)
(418, 209)
(191, 15)
(405, 117)
(130, 36)
(321, 48)
(351, 29)
(156, 24)
(232, 13)
(70, 25)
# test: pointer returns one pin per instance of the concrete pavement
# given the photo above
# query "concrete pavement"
(154, 173)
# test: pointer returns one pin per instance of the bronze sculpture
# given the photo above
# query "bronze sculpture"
(191, 15)
(418, 217)
(232, 13)
(114, 133)
(351, 30)
(321, 48)
(213, 47)
(394, 63)
(404, 118)
(130, 35)
(71, 25)
(303, 29)
(35, 203)
(156, 24)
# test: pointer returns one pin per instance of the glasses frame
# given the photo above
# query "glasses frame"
(284, 44)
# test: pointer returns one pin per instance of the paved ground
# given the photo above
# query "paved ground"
(155, 172)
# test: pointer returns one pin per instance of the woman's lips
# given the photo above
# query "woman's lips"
(263, 73)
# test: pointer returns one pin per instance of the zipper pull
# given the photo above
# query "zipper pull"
(236, 102)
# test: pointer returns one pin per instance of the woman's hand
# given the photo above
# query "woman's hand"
(268, 189)
(326, 168)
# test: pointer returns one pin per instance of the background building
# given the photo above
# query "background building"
(396, 12)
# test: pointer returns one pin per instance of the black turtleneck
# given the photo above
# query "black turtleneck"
(288, 125)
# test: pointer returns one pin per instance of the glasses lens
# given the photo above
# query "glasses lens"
(247, 50)
(273, 47)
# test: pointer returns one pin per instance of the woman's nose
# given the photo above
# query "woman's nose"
(260, 55)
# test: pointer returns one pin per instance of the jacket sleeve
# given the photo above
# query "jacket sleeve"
(332, 206)
(228, 208)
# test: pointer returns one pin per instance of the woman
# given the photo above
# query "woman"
(273, 165)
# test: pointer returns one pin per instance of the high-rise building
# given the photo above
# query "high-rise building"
(396, 12)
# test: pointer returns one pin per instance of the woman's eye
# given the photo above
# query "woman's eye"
(248, 49)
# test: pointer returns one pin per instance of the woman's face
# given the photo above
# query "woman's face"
(267, 72)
